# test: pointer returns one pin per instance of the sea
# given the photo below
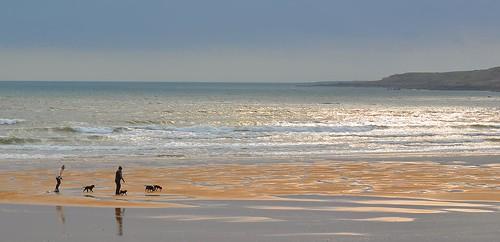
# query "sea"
(230, 121)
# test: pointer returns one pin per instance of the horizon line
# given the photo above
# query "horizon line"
(168, 81)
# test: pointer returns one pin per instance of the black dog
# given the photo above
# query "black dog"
(157, 187)
(123, 192)
(149, 188)
(89, 188)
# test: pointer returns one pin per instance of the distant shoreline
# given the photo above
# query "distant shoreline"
(354, 84)
(476, 80)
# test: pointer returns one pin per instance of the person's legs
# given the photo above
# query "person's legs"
(58, 184)
(118, 186)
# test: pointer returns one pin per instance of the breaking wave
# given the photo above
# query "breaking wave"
(5, 121)
(87, 130)
(485, 126)
(15, 140)
(298, 128)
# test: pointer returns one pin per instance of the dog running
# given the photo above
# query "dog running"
(152, 188)
(89, 188)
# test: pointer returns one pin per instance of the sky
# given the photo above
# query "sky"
(244, 40)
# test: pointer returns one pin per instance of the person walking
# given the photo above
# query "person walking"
(59, 178)
(118, 180)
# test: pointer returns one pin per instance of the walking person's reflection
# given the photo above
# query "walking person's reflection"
(119, 213)
(60, 214)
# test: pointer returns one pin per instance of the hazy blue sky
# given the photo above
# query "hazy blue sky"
(235, 40)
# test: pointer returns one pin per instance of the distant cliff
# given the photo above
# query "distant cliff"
(484, 80)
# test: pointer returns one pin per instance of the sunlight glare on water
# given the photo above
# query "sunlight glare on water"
(198, 120)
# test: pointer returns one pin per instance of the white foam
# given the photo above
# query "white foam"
(313, 127)
(5, 121)
(281, 127)
(93, 130)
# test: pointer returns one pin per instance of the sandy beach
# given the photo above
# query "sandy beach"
(255, 182)
(318, 201)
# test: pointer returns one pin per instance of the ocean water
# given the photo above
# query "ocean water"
(226, 120)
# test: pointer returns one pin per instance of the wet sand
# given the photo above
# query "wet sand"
(322, 201)
(255, 182)
(304, 219)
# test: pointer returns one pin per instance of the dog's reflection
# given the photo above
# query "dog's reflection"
(60, 214)
(119, 213)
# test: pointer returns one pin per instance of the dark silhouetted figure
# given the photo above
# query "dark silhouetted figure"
(59, 178)
(119, 220)
(118, 180)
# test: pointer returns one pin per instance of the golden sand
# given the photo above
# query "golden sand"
(468, 210)
(428, 203)
(425, 180)
(353, 209)
(385, 219)
(386, 210)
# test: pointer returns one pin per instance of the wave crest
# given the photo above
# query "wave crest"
(484, 126)
(267, 128)
(87, 130)
(6, 121)
(16, 140)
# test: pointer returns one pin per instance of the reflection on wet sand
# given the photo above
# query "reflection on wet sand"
(119, 213)
(333, 218)
(60, 214)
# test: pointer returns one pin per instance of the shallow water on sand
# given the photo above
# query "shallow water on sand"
(229, 220)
